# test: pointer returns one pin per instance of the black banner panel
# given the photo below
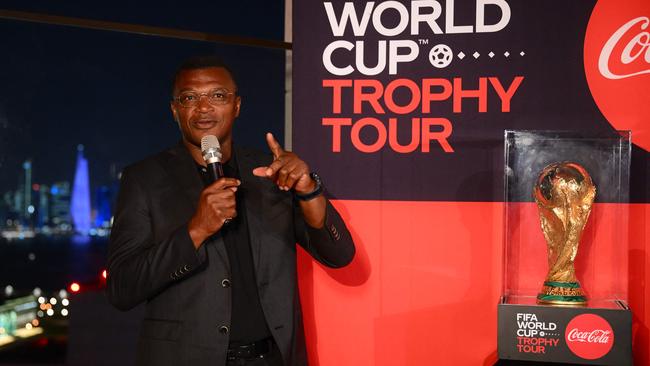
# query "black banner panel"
(409, 100)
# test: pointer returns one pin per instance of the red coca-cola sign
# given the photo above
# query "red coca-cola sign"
(617, 64)
(589, 336)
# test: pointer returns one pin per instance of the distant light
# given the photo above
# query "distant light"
(54, 190)
(53, 300)
(40, 314)
(9, 290)
(64, 312)
(63, 293)
(31, 257)
(74, 287)
(28, 326)
(27, 164)
(37, 292)
(41, 300)
(104, 274)
(65, 302)
(50, 312)
(31, 209)
(35, 322)
(36, 187)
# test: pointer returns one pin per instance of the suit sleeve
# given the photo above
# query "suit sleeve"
(138, 266)
(332, 245)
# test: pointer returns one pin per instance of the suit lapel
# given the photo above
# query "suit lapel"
(182, 168)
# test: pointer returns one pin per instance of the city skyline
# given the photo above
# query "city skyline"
(59, 207)
(47, 170)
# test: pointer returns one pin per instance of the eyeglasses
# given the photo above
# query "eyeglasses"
(215, 97)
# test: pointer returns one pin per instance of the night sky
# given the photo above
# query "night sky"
(64, 86)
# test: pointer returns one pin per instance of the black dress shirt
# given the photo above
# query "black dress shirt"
(248, 323)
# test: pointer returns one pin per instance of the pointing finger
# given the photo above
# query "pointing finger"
(275, 147)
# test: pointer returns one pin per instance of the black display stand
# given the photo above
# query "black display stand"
(540, 333)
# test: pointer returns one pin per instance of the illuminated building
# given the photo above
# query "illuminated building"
(60, 205)
(28, 209)
(103, 204)
(43, 205)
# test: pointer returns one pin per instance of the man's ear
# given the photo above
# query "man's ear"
(237, 106)
(174, 112)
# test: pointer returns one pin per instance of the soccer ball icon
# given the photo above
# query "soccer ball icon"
(440, 56)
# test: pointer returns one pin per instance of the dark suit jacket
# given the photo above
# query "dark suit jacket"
(152, 260)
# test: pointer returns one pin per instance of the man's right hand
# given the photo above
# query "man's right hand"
(216, 205)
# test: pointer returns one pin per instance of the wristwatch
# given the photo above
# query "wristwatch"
(316, 192)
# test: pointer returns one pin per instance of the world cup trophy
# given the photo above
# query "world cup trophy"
(564, 193)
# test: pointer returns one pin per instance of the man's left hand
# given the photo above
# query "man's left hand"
(287, 170)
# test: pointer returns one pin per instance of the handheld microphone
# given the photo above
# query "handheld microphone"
(211, 151)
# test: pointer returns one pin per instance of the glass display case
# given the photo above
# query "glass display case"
(603, 247)
(545, 224)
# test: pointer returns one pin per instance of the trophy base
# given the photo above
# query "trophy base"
(562, 293)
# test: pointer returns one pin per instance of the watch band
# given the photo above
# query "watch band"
(316, 192)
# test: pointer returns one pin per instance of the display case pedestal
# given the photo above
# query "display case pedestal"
(578, 335)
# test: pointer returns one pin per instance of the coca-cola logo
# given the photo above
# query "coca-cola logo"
(595, 336)
(634, 51)
(617, 64)
(589, 336)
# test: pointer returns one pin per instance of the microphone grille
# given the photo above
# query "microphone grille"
(210, 149)
(210, 142)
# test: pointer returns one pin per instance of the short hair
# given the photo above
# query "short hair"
(202, 62)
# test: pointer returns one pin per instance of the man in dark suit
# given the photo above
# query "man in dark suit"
(216, 262)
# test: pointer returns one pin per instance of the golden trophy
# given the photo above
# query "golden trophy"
(564, 194)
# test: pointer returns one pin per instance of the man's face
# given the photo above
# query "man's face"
(205, 117)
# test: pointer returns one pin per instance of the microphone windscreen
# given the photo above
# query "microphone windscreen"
(210, 149)
(209, 142)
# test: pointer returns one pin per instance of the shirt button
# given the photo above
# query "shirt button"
(225, 283)
(224, 329)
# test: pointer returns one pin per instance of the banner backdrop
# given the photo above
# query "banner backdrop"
(401, 107)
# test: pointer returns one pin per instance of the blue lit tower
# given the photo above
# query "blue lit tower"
(80, 202)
